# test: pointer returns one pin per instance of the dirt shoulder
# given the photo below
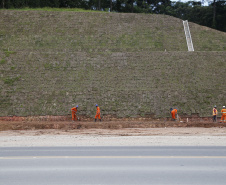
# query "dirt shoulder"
(29, 134)
(112, 128)
(168, 131)
(69, 125)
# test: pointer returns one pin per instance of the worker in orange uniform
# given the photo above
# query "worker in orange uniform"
(173, 113)
(97, 113)
(73, 113)
(215, 113)
(223, 114)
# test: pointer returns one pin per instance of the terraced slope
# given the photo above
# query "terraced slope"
(130, 64)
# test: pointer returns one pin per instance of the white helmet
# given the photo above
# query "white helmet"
(223, 106)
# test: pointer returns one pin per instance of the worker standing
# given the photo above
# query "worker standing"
(173, 113)
(223, 114)
(73, 113)
(97, 113)
(215, 113)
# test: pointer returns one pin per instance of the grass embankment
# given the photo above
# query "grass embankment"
(130, 64)
(56, 9)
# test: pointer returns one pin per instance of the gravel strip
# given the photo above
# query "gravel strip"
(215, 136)
(80, 140)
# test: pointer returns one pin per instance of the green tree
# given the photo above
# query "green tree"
(50, 3)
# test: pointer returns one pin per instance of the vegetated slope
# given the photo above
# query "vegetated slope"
(130, 64)
(90, 32)
(207, 39)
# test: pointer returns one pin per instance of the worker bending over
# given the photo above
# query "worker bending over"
(73, 113)
(173, 113)
(97, 113)
(215, 113)
(223, 114)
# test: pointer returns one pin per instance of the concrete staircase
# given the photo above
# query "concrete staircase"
(188, 36)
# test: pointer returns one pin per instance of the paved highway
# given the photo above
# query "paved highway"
(112, 165)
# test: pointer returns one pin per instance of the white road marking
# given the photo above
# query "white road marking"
(114, 157)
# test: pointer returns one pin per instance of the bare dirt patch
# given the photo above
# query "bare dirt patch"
(111, 133)
(117, 128)
(170, 131)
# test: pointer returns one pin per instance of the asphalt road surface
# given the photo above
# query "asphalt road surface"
(112, 165)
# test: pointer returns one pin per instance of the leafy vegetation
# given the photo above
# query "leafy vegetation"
(7, 53)
(10, 81)
(3, 61)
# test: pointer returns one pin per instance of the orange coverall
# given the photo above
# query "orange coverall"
(73, 113)
(223, 115)
(98, 113)
(173, 113)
